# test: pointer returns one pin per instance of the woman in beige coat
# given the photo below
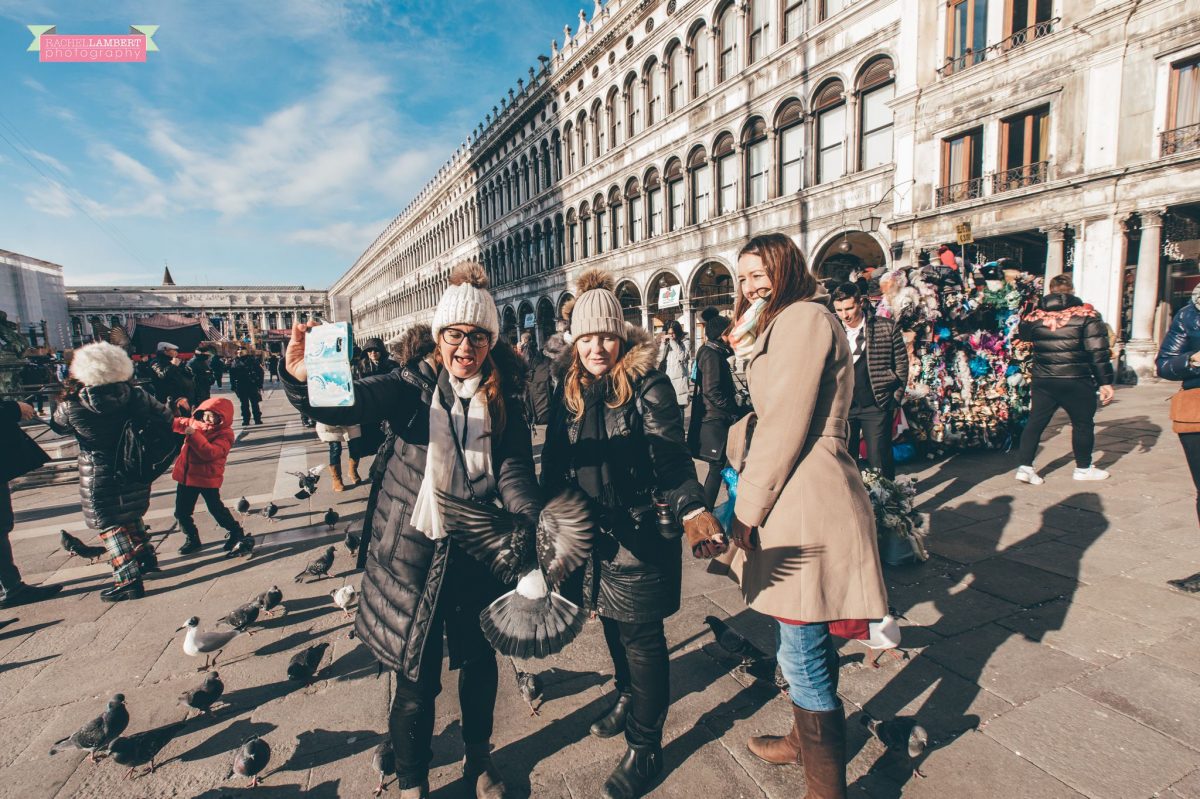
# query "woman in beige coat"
(804, 530)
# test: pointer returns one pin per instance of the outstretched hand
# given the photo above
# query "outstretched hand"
(293, 357)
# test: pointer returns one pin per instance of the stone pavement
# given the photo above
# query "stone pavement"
(1048, 657)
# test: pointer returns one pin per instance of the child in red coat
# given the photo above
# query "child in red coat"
(200, 470)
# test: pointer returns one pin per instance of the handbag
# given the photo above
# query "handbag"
(1185, 410)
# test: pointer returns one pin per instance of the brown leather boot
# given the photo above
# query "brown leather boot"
(778, 750)
(335, 476)
(354, 471)
(823, 750)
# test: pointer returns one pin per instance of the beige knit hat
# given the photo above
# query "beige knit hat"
(597, 309)
(467, 302)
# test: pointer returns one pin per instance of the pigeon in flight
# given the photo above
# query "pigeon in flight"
(319, 568)
(76, 547)
(308, 481)
(733, 643)
(197, 642)
(383, 760)
(251, 759)
(904, 738)
(304, 664)
(351, 541)
(205, 695)
(269, 600)
(242, 617)
(531, 620)
(98, 733)
(344, 597)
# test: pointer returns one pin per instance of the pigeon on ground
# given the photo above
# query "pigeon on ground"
(768, 672)
(531, 621)
(384, 762)
(98, 733)
(197, 642)
(269, 600)
(76, 547)
(530, 686)
(251, 759)
(269, 512)
(243, 506)
(244, 546)
(351, 541)
(308, 481)
(205, 695)
(904, 738)
(141, 748)
(304, 664)
(241, 618)
(884, 637)
(331, 518)
(734, 643)
(319, 568)
(344, 597)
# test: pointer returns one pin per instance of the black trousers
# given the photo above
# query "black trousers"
(185, 506)
(1191, 451)
(873, 425)
(250, 404)
(712, 483)
(1078, 399)
(642, 669)
(10, 577)
(410, 723)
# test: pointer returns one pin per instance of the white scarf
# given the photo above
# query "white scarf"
(442, 470)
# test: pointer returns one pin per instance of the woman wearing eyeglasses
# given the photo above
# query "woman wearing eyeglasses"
(461, 432)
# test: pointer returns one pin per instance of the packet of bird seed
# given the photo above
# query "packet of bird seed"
(327, 351)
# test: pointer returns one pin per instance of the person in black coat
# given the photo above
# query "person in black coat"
(97, 402)
(421, 592)
(616, 433)
(200, 368)
(246, 380)
(218, 369)
(538, 383)
(173, 385)
(21, 456)
(374, 360)
(1072, 360)
(714, 402)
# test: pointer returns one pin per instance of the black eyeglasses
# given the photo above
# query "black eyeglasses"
(478, 338)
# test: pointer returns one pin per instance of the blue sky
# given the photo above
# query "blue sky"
(266, 142)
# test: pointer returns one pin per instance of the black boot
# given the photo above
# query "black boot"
(28, 594)
(636, 772)
(147, 560)
(612, 723)
(191, 537)
(120, 593)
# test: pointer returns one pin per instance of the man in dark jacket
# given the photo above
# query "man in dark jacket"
(1071, 359)
(173, 386)
(21, 455)
(246, 380)
(273, 367)
(218, 368)
(538, 387)
(714, 402)
(880, 377)
(200, 367)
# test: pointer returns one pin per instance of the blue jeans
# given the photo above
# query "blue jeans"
(808, 659)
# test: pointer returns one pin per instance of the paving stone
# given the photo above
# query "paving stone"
(1083, 631)
(1181, 650)
(1020, 583)
(1085, 565)
(948, 607)
(1186, 788)
(1160, 608)
(1092, 748)
(1157, 694)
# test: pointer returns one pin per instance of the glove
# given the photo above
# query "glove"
(704, 535)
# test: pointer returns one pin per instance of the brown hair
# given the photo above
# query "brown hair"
(1062, 284)
(577, 379)
(785, 266)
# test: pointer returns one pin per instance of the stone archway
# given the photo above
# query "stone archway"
(712, 285)
(508, 326)
(660, 315)
(631, 302)
(848, 252)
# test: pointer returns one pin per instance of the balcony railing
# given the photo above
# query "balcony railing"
(969, 58)
(1020, 177)
(958, 192)
(1181, 140)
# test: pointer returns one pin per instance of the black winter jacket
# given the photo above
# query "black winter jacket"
(96, 419)
(246, 376)
(21, 453)
(407, 575)
(1181, 341)
(171, 382)
(1069, 340)
(635, 575)
(538, 386)
(714, 402)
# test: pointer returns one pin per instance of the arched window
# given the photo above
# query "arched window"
(613, 111)
(829, 106)
(633, 105)
(758, 22)
(698, 50)
(726, 36)
(616, 213)
(547, 175)
(758, 161)
(675, 72)
(700, 177)
(568, 136)
(585, 222)
(876, 88)
(654, 205)
(525, 184)
(556, 147)
(535, 169)
(673, 175)
(653, 80)
(572, 236)
(585, 149)
(726, 163)
(633, 198)
(598, 129)
(600, 211)
(789, 132)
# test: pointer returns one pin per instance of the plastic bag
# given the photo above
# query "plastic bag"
(724, 511)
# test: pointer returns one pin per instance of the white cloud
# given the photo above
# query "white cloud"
(34, 84)
(49, 160)
(49, 198)
(343, 236)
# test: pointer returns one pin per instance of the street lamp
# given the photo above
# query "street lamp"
(870, 222)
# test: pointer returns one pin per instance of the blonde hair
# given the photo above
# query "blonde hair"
(578, 379)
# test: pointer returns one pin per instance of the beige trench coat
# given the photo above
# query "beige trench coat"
(819, 558)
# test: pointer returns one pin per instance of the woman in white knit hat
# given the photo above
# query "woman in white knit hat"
(616, 433)
(460, 431)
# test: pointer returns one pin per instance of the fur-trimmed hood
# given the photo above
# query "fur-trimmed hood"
(415, 342)
(101, 364)
(642, 350)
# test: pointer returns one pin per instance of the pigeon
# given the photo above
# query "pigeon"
(269, 512)
(383, 760)
(205, 695)
(531, 621)
(251, 759)
(242, 617)
(884, 637)
(769, 672)
(244, 546)
(269, 600)
(143, 747)
(319, 568)
(98, 733)
(308, 481)
(351, 541)
(212, 641)
(530, 686)
(344, 597)
(733, 643)
(243, 506)
(903, 737)
(331, 518)
(304, 664)
(76, 547)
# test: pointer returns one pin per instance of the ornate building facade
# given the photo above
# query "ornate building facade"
(1062, 133)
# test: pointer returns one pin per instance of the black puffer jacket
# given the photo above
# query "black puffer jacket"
(539, 385)
(171, 383)
(246, 376)
(96, 419)
(714, 402)
(1069, 340)
(637, 577)
(406, 573)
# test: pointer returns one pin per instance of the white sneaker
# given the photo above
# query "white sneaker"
(1026, 474)
(1090, 473)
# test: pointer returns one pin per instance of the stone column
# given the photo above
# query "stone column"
(1142, 348)
(1054, 252)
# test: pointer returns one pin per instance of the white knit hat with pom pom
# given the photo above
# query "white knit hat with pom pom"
(467, 302)
(100, 364)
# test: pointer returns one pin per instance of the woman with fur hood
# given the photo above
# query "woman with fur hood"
(616, 433)
(98, 399)
(459, 430)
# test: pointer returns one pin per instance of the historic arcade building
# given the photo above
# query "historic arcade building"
(660, 135)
